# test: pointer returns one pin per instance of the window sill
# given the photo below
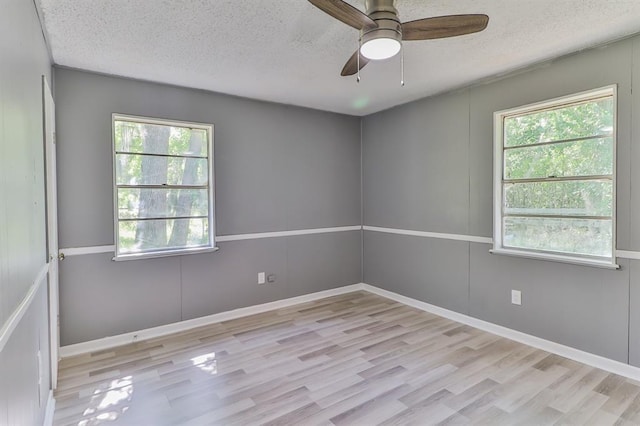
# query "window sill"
(556, 258)
(167, 253)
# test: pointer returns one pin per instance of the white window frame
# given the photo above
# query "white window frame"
(211, 244)
(498, 173)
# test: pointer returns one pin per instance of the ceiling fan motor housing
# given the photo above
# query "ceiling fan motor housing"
(384, 13)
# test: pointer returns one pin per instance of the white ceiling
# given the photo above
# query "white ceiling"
(288, 51)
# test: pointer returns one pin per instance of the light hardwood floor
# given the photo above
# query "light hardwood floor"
(350, 359)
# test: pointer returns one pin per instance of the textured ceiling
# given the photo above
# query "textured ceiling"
(288, 51)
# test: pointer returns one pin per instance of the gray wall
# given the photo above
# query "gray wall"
(277, 168)
(427, 166)
(24, 59)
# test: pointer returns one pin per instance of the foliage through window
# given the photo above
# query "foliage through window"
(554, 178)
(163, 176)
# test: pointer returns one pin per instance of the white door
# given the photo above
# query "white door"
(52, 226)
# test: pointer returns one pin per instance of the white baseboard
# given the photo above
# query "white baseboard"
(50, 410)
(163, 330)
(587, 358)
(593, 360)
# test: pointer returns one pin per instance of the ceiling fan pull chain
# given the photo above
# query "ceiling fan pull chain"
(402, 68)
(359, 46)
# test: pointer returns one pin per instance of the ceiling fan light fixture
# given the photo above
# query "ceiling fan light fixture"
(383, 41)
(382, 32)
(380, 48)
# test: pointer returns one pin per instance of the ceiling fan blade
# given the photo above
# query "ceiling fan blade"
(443, 26)
(351, 67)
(345, 12)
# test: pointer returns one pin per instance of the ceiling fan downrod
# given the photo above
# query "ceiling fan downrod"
(359, 47)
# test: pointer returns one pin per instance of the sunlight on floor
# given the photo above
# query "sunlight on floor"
(206, 363)
(117, 392)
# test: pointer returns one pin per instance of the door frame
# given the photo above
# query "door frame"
(49, 136)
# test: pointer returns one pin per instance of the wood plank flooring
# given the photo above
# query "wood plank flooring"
(354, 359)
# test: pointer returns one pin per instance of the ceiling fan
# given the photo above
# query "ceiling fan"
(382, 33)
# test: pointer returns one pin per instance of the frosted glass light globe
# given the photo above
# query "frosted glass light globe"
(380, 48)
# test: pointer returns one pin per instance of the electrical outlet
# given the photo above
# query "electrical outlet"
(271, 278)
(516, 297)
(261, 279)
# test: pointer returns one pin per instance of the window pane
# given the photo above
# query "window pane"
(135, 169)
(162, 234)
(159, 139)
(581, 120)
(137, 203)
(579, 158)
(571, 236)
(572, 198)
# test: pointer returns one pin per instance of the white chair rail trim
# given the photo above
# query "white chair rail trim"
(78, 251)
(12, 322)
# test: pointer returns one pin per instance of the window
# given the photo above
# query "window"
(163, 187)
(554, 179)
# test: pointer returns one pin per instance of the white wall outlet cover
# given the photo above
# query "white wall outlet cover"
(261, 279)
(516, 297)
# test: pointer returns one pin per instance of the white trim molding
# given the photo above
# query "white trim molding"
(587, 358)
(259, 235)
(623, 254)
(456, 237)
(78, 251)
(529, 254)
(50, 410)
(626, 254)
(177, 327)
(12, 322)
